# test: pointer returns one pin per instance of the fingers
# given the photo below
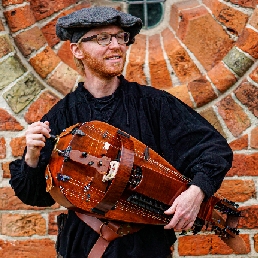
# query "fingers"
(185, 209)
(36, 135)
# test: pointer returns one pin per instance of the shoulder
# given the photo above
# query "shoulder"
(135, 89)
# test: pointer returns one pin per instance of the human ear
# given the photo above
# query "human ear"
(76, 50)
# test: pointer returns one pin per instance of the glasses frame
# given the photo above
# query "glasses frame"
(110, 40)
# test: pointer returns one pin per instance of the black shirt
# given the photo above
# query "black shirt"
(162, 122)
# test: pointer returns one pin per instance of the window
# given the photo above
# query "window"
(150, 11)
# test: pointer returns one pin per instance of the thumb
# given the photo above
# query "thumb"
(170, 210)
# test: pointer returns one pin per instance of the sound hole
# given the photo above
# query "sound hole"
(136, 176)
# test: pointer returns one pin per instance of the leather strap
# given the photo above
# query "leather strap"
(108, 231)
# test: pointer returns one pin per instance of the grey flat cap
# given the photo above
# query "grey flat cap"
(73, 26)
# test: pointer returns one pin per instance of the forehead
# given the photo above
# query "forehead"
(108, 29)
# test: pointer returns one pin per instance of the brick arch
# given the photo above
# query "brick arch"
(222, 86)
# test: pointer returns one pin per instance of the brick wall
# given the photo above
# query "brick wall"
(204, 52)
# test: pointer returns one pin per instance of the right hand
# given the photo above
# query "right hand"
(36, 135)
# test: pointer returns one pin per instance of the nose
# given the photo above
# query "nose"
(114, 42)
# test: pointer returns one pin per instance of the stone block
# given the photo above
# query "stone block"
(237, 61)
(11, 69)
(6, 46)
(23, 92)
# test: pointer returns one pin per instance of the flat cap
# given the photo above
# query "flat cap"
(73, 26)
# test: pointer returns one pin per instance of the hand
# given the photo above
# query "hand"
(185, 208)
(36, 135)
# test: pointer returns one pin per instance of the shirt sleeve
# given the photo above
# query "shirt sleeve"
(29, 183)
(192, 145)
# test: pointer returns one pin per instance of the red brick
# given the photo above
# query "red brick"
(32, 248)
(256, 243)
(52, 224)
(254, 75)
(201, 91)
(201, 245)
(248, 95)
(238, 190)
(8, 201)
(2, 148)
(232, 18)
(160, 76)
(240, 144)
(1, 26)
(45, 62)
(11, 2)
(40, 107)
(181, 92)
(8, 122)
(254, 138)
(19, 18)
(204, 37)
(212, 118)
(49, 31)
(135, 67)
(254, 19)
(65, 54)
(30, 40)
(183, 66)
(18, 145)
(63, 79)
(175, 13)
(17, 225)
(244, 165)
(6, 46)
(222, 77)
(248, 42)
(43, 9)
(6, 171)
(234, 116)
(249, 217)
(245, 3)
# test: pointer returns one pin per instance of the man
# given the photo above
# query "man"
(99, 39)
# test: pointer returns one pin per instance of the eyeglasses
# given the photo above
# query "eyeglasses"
(104, 39)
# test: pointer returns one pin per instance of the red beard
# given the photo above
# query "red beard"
(99, 66)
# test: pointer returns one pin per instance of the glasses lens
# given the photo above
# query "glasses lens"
(122, 37)
(103, 39)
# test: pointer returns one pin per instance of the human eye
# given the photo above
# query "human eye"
(103, 37)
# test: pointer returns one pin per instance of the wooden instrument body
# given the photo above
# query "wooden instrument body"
(101, 171)
(77, 176)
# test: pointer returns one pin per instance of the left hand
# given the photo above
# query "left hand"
(185, 208)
